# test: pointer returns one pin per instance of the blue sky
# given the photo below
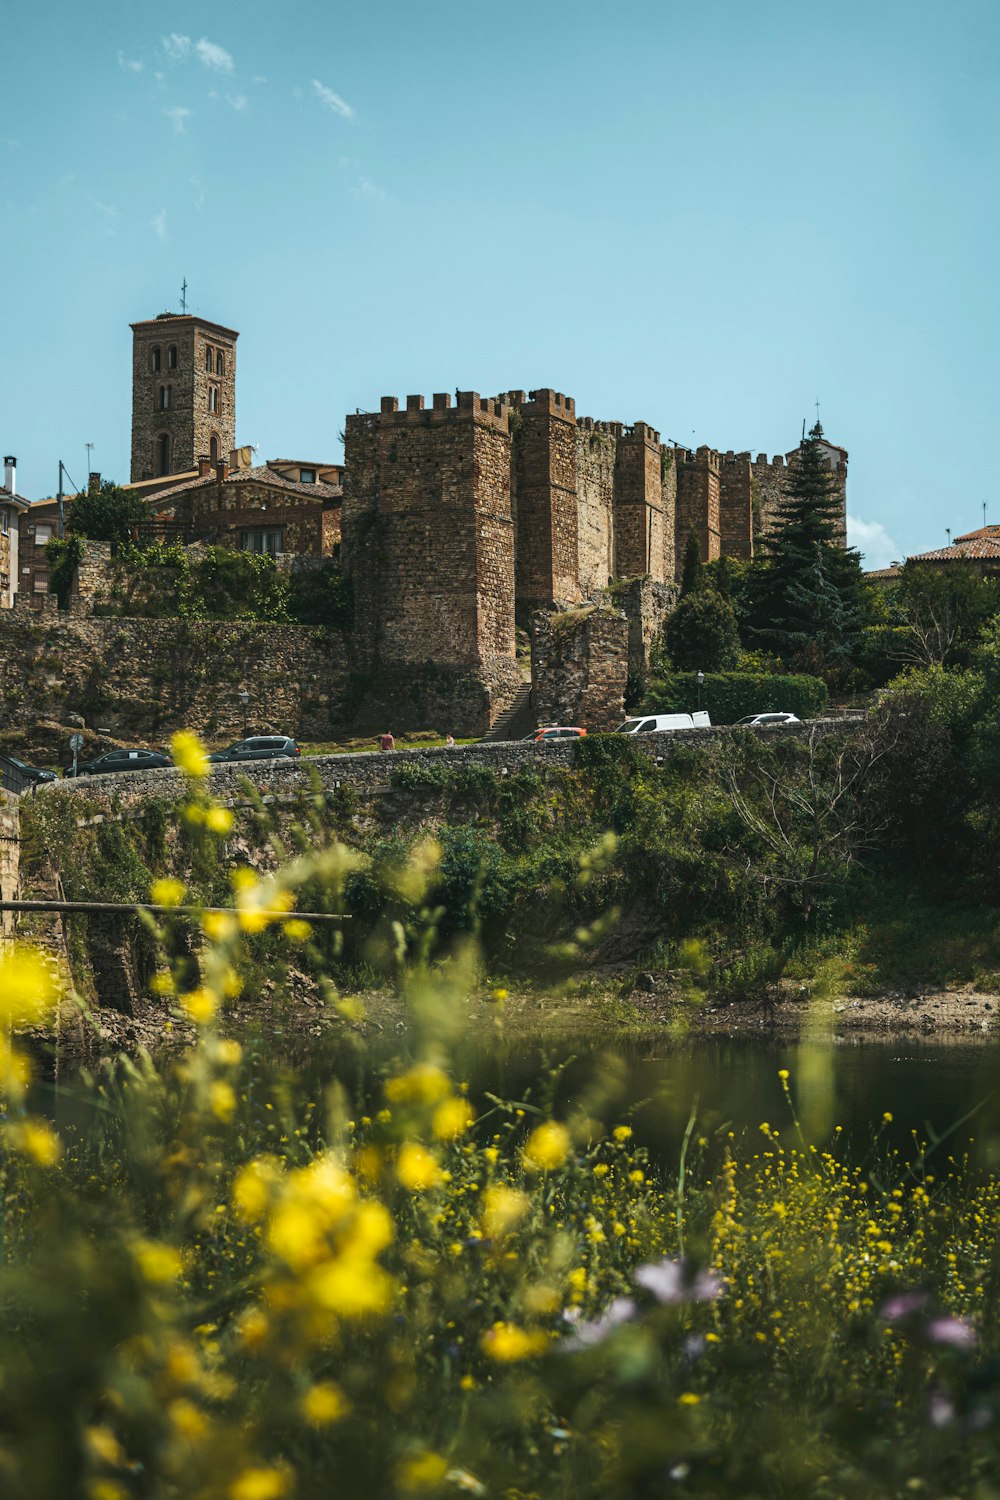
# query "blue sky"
(704, 216)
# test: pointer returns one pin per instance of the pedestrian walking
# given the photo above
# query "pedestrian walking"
(387, 742)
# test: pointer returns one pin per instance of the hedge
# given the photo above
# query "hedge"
(729, 696)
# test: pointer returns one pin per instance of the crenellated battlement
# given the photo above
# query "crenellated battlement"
(777, 462)
(493, 411)
(700, 458)
(641, 432)
(551, 403)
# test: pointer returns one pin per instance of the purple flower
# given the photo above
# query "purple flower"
(941, 1411)
(670, 1283)
(954, 1332)
(894, 1308)
(588, 1335)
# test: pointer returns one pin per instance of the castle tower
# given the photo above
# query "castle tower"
(183, 394)
(698, 477)
(544, 500)
(639, 504)
(428, 542)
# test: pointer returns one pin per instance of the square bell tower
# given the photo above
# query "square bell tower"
(183, 394)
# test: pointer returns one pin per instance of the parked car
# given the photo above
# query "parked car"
(753, 721)
(554, 732)
(15, 773)
(657, 723)
(121, 760)
(258, 747)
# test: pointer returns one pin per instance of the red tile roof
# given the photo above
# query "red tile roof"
(262, 474)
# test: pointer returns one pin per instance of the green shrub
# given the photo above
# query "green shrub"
(729, 696)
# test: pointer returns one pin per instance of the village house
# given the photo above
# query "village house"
(12, 507)
(976, 552)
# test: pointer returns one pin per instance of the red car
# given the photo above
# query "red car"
(554, 732)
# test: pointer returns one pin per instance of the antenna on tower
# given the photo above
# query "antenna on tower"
(184, 299)
(90, 448)
(803, 429)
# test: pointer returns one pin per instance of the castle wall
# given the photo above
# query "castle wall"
(698, 487)
(668, 504)
(596, 445)
(736, 526)
(768, 480)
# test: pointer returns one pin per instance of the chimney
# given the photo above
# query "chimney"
(93, 483)
(222, 470)
(10, 473)
(204, 466)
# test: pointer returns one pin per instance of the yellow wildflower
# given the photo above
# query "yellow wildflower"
(39, 1142)
(622, 1133)
(416, 1168)
(222, 1098)
(688, 1398)
(188, 753)
(324, 1403)
(219, 926)
(352, 1287)
(200, 1005)
(422, 1084)
(502, 1208)
(507, 1343)
(260, 1484)
(251, 1189)
(28, 986)
(424, 1471)
(219, 820)
(296, 930)
(187, 1420)
(452, 1118)
(547, 1147)
(167, 892)
(157, 1262)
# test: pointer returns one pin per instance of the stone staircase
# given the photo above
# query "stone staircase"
(517, 721)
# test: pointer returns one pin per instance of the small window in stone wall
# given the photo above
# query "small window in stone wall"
(172, 357)
(262, 539)
(213, 449)
(4, 522)
(163, 453)
(209, 362)
(154, 358)
(40, 584)
(165, 397)
(220, 363)
(213, 398)
(43, 535)
(307, 476)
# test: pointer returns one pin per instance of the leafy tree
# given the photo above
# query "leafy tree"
(805, 593)
(692, 576)
(701, 634)
(943, 611)
(108, 514)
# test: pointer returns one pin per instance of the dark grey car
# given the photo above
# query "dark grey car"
(114, 761)
(258, 747)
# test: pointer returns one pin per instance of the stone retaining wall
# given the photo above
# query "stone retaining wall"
(374, 772)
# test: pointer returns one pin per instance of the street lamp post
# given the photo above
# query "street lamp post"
(244, 700)
(699, 678)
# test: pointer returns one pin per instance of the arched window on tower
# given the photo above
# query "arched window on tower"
(213, 448)
(165, 397)
(154, 358)
(213, 398)
(220, 364)
(163, 453)
(172, 357)
(208, 358)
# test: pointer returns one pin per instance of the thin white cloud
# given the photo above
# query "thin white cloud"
(258, 78)
(873, 542)
(178, 115)
(237, 102)
(158, 223)
(332, 101)
(213, 56)
(130, 64)
(361, 186)
(176, 47)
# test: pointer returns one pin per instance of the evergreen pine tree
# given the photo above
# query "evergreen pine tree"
(804, 593)
(691, 574)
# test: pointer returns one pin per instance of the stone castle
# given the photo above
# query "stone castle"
(458, 522)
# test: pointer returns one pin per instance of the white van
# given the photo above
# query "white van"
(657, 722)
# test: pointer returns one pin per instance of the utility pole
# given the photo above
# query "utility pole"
(184, 300)
(60, 500)
(90, 448)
